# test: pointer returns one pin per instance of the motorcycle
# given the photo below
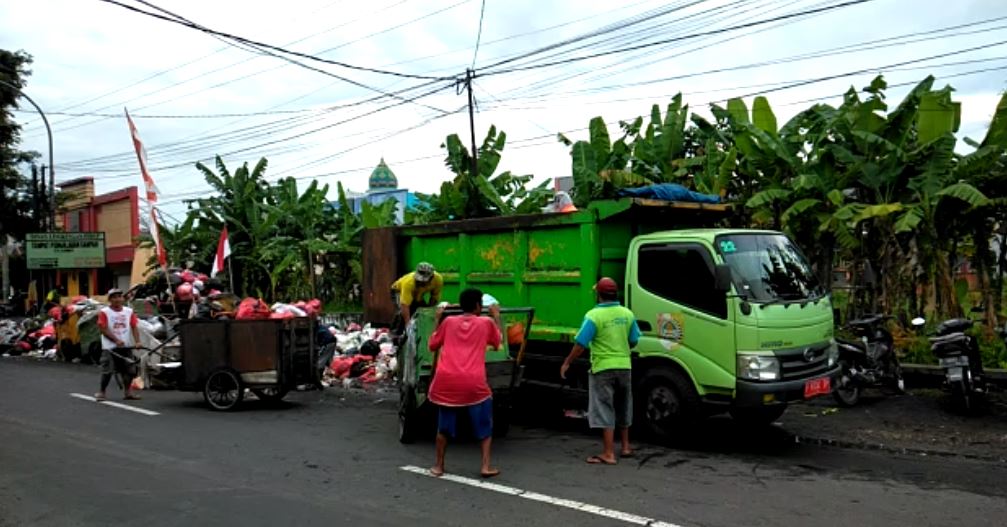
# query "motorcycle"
(868, 362)
(958, 353)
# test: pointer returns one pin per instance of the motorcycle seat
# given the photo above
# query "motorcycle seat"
(955, 325)
(945, 339)
(867, 321)
(852, 343)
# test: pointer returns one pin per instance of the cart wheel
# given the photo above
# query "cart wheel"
(223, 390)
(408, 416)
(270, 395)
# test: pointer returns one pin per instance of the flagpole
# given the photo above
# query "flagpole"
(164, 267)
(230, 274)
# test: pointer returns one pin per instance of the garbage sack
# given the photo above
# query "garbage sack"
(287, 309)
(515, 334)
(370, 348)
(561, 202)
(253, 309)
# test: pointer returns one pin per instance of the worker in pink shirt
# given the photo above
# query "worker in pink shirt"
(459, 384)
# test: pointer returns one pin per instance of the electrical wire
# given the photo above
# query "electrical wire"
(479, 34)
(666, 41)
(277, 49)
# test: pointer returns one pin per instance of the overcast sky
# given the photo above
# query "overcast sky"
(95, 58)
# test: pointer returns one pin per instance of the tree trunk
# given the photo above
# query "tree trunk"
(825, 261)
(1001, 263)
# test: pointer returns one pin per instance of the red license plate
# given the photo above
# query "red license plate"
(816, 387)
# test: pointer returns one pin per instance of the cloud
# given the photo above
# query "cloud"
(91, 50)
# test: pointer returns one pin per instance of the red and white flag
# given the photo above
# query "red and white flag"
(148, 183)
(223, 251)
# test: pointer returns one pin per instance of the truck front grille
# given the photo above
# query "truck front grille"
(795, 363)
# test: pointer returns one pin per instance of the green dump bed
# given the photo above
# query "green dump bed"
(546, 261)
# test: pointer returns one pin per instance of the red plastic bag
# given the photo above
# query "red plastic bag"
(253, 309)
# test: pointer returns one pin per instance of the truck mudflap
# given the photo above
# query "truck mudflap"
(754, 394)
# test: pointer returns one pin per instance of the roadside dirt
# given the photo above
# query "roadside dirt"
(921, 421)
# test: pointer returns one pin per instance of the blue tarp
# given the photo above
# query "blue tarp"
(669, 192)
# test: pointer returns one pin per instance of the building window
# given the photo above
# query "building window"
(683, 274)
(73, 221)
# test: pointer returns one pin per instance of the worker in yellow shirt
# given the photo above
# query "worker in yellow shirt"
(409, 290)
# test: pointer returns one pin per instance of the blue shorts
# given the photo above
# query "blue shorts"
(481, 416)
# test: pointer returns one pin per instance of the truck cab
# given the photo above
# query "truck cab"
(732, 320)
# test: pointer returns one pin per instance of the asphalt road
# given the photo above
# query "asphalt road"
(332, 458)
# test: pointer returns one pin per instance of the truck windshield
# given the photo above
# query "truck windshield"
(768, 268)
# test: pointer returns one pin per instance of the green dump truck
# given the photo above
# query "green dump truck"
(732, 320)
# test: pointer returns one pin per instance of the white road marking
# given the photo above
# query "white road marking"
(535, 496)
(115, 404)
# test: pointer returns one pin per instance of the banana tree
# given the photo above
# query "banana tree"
(480, 194)
(986, 169)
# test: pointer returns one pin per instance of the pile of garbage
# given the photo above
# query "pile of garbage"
(356, 356)
(71, 333)
(27, 338)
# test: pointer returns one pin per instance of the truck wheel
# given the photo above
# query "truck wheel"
(667, 404)
(759, 415)
(223, 390)
(408, 416)
(501, 417)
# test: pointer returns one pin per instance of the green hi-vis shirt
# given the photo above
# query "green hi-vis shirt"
(609, 331)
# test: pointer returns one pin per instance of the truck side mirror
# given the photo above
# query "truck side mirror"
(722, 278)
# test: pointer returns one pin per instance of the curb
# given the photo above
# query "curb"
(879, 447)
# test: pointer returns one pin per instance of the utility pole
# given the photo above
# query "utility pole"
(51, 197)
(34, 198)
(469, 77)
(52, 171)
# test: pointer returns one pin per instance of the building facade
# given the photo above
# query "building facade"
(116, 214)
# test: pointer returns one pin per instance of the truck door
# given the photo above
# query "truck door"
(680, 312)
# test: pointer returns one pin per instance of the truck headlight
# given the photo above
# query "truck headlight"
(758, 368)
(833, 353)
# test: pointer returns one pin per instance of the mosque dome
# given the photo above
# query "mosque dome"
(382, 177)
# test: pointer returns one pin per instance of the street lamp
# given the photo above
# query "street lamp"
(52, 174)
(52, 167)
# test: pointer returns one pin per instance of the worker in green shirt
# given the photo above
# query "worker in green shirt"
(609, 331)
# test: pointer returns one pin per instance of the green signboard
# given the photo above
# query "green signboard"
(65, 250)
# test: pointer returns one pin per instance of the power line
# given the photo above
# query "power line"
(479, 34)
(253, 74)
(841, 50)
(278, 49)
(670, 40)
(266, 50)
(168, 70)
(181, 116)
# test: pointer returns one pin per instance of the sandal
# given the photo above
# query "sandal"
(598, 460)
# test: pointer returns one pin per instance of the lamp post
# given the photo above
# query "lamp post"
(52, 173)
(52, 167)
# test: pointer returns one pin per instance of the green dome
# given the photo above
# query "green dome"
(383, 177)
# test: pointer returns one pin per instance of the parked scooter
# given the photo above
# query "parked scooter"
(958, 353)
(868, 362)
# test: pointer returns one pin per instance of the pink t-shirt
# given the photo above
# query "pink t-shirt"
(460, 378)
